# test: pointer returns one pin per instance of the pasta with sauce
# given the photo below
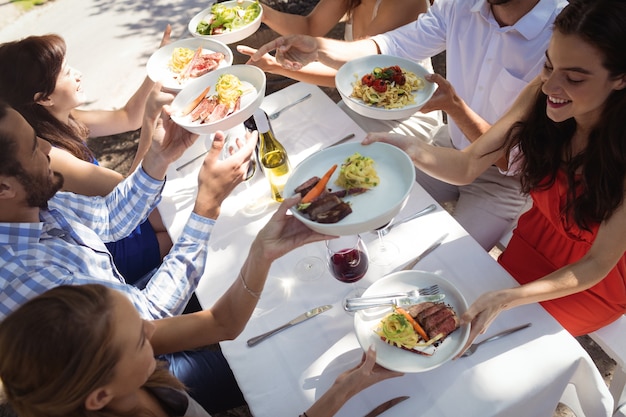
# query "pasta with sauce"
(394, 96)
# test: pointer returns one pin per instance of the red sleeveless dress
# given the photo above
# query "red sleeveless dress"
(543, 242)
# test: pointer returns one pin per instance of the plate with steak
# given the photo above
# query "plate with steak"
(343, 211)
(219, 100)
(414, 338)
(178, 63)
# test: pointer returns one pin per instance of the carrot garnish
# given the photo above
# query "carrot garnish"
(319, 187)
(413, 322)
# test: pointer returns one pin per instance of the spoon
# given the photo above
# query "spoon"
(386, 228)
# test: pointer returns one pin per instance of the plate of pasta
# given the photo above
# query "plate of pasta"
(219, 100)
(178, 63)
(394, 173)
(367, 322)
(384, 87)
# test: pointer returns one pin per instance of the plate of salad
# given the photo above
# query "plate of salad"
(227, 22)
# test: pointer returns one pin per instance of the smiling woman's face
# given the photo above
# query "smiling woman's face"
(576, 83)
(68, 94)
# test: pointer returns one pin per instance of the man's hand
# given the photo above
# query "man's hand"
(218, 178)
(169, 142)
(284, 232)
(445, 97)
(156, 100)
(292, 52)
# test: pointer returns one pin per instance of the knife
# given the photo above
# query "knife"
(302, 317)
(422, 255)
(386, 406)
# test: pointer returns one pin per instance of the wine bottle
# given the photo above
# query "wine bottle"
(273, 156)
(250, 126)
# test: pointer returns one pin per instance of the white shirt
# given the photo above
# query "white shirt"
(487, 65)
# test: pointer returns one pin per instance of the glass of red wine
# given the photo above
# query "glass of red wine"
(348, 261)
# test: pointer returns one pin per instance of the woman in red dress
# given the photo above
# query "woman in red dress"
(567, 130)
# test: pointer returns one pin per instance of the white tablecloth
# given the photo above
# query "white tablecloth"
(523, 374)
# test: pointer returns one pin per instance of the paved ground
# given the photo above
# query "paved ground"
(110, 42)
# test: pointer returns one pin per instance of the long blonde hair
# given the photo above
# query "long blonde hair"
(57, 348)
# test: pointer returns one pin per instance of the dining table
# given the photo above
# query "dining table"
(523, 374)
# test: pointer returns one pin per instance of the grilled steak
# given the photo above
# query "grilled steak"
(306, 186)
(335, 214)
(435, 318)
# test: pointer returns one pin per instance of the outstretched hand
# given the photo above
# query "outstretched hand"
(444, 98)
(265, 62)
(284, 232)
(366, 373)
(481, 314)
(292, 52)
(169, 141)
(407, 143)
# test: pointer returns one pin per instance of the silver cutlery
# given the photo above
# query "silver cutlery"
(194, 159)
(400, 302)
(386, 228)
(302, 317)
(378, 410)
(432, 290)
(470, 350)
(279, 111)
(426, 252)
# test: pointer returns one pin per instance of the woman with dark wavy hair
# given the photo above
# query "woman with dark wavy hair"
(567, 127)
(36, 80)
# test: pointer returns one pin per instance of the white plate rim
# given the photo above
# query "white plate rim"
(245, 111)
(228, 37)
(349, 225)
(392, 357)
(154, 71)
(345, 77)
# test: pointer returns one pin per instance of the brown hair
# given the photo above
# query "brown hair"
(594, 195)
(31, 66)
(57, 348)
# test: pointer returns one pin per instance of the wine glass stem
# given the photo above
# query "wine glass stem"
(381, 241)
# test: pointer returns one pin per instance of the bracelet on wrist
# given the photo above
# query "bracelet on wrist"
(255, 294)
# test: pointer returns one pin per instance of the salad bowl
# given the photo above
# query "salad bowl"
(240, 19)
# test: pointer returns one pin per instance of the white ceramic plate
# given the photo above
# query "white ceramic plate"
(350, 71)
(392, 357)
(158, 65)
(253, 79)
(227, 37)
(371, 209)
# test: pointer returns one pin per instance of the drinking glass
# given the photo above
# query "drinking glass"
(382, 251)
(254, 205)
(348, 261)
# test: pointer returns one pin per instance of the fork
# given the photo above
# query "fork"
(279, 111)
(470, 350)
(432, 290)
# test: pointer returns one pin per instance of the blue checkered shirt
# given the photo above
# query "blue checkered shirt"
(67, 248)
